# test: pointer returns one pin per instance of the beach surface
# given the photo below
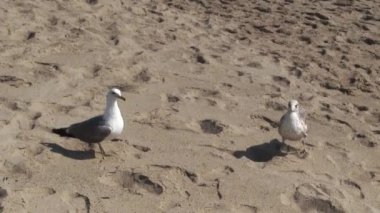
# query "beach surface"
(206, 84)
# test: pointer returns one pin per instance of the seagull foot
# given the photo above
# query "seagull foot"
(284, 148)
(302, 154)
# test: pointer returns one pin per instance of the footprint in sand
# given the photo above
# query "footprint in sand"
(172, 98)
(244, 208)
(18, 169)
(282, 81)
(212, 97)
(133, 181)
(34, 192)
(3, 195)
(295, 71)
(143, 76)
(275, 105)
(218, 173)
(192, 176)
(14, 81)
(210, 126)
(35, 149)
(364, 140)
(353, 187)
(319, 198)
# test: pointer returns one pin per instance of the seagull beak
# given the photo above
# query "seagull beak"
(122, 98)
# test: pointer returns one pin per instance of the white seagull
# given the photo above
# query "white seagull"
(99, 128)
(292, 124)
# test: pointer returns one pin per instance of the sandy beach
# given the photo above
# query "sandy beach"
(206, 83)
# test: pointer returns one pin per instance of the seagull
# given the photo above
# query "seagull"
(292, 124)
(99, 128)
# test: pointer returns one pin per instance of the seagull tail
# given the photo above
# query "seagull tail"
(61, 132)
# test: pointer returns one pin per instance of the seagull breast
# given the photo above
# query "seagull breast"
(292, 127)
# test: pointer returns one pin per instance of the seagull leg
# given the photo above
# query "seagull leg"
(91, 146)
(284, 147)
(102, 150)
(302, 153)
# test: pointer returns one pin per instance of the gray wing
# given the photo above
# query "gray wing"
(302, 113)
(93, 130)
(282, 120)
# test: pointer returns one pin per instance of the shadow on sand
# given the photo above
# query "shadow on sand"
(262, 152)
(74, 154)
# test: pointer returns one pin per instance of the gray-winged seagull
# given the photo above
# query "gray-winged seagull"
(99, 128)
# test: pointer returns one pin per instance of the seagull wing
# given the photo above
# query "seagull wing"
(282, 120)
(303, 114)
(93, 130)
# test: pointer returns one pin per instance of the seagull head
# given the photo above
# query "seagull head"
(114, 94)
(293, 106)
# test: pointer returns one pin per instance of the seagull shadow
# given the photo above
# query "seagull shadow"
(261, 153)
(74, 154)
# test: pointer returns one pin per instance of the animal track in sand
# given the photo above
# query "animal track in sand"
(3, 195)
(218, 173)
(373, 118)
(143, 76)
(361, 82)
(282, 81)
(310, 197)
(193, 177)
(162, 118)
(172, 98)
(198, 55)
(339, 121)
(86, 201)
(35, 149)
(273, 90)
(14, 81)
(130, 180)
(275, 106)
(74, 33)
(34, 119)
(18, 169)
(246, 208)
(231, 152)
(96, 70)
(354, 187)
(213, 97)
(361, 108)
(331, 145)
(33, 192)
(272, 123)
(127, 87)
(141, 148)
(332, 84)
(364, 140)
(138, 147)
(215, 184)
(210, 126)
(204, 92)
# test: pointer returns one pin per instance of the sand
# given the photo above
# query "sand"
(206, 83)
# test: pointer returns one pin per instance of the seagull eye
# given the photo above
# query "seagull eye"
(296, 105)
